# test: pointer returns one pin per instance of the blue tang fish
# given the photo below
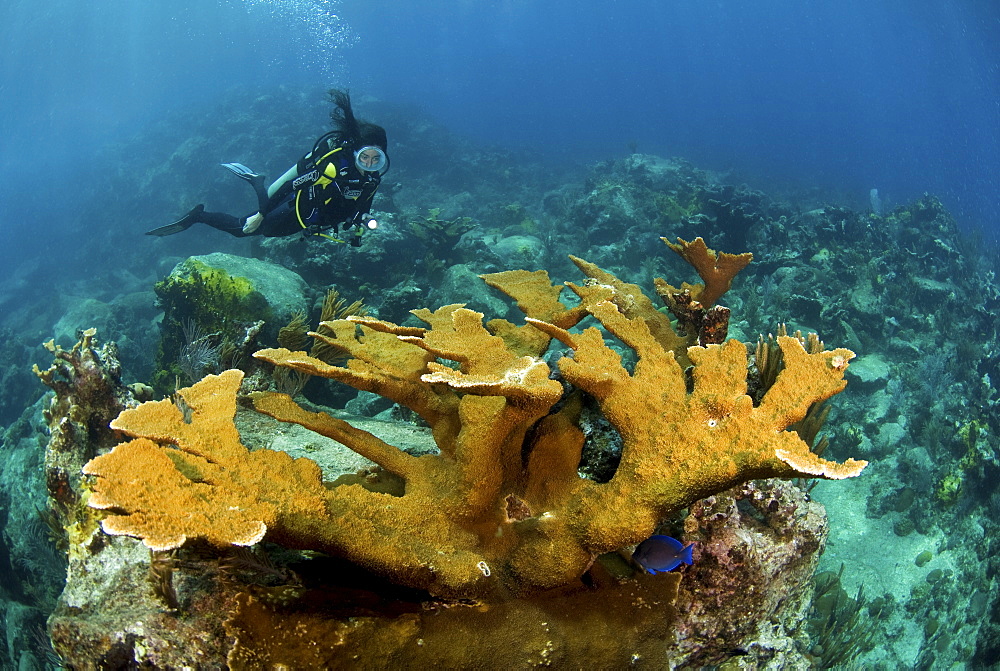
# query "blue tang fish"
(659, 554)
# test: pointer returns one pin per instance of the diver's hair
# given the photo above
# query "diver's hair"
(356, 132)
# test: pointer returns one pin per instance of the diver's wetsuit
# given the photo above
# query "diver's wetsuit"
(312, 196)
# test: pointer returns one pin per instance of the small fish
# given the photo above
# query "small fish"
(659, 554)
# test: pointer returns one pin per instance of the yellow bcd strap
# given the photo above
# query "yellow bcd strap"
(326, 178)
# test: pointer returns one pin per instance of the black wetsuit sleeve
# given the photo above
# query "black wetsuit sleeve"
(364, 202)
(279, 195)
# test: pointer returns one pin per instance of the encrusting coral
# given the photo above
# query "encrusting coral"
(501, 508)
(88, 394)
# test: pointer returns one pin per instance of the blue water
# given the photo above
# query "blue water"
(844, 97)
(853, 95)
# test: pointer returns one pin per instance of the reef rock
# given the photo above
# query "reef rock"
(283, 290)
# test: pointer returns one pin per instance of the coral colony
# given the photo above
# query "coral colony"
(498, 523)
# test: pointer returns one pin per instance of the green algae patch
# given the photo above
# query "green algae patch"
(202, 304)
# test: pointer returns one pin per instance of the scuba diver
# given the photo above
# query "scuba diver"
(329, 189)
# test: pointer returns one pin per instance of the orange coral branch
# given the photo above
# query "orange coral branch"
(630, 300)
(535, 296)
(368, 446)
(203, 483)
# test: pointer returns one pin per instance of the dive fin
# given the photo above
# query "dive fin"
(182, 224)
(256, 181)
(240, 170)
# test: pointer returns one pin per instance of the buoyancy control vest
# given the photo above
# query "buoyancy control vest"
(330, 190)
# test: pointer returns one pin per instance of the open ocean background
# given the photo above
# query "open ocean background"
(838, 96)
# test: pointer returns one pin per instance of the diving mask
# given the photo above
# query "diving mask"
(371, 159)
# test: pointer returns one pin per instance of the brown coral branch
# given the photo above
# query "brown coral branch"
(716, 269)
(714, 326)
